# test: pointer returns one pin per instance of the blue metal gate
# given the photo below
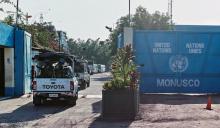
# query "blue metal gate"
(178, 61)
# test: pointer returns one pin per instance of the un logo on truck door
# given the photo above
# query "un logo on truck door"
(178, 63)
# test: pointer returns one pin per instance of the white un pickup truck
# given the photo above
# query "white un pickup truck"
(53, 78)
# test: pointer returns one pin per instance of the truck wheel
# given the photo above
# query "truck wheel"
(84, 85)
(36, 100)
(76, 97)
(72, 101)
(88, 84)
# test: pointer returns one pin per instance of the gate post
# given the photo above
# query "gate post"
(9, 71)
(128, 36)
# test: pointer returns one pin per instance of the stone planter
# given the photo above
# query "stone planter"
(120, 104)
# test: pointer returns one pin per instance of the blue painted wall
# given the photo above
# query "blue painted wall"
(178, 62)
(22, 63)
(27, 62)
(6, 35)
(9, 91)
(185, 60)
(19, 63)
(201, 28)
(21, 42)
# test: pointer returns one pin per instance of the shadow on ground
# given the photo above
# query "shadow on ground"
(29, 112)
(149, 101)
(96, 107)
(99, 122)
(4, 98)
(177, 99)
(106, 78)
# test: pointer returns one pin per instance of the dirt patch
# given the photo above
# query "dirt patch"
(163, 110)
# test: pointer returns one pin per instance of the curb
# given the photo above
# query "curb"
(26, 95)
(4, 98)
(90, 96)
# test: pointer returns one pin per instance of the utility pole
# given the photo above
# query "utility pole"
(170, 10)
(129, 14)
(59, 34)
(41, 18)
(17, 15)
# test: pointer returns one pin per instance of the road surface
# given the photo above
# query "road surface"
(20, 112)
(156, 111)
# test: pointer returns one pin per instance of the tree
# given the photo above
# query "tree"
(20, 13)
(9, 20)
(92, 50)
(142, 19)
(43, 35)
(4, 1)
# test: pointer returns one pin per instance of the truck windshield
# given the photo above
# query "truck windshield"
(55, 69)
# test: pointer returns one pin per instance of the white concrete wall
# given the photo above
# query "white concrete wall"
(128, 36)
(9, 67)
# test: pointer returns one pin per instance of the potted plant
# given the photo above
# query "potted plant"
(120, 96)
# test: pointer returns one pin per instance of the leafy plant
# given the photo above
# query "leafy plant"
(9, 20)
(123, 70)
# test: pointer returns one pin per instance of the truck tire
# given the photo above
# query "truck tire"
(72, 101)
(77, 96)
(88, 84)
(36, 100)
(84, 85)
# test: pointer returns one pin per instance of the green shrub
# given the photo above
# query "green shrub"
(123, 70)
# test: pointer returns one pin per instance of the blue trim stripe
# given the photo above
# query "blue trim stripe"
(9, 91)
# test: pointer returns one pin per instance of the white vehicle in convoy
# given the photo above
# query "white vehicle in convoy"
(101, 68)
(90, 67)
(53, 78)
(95, 68)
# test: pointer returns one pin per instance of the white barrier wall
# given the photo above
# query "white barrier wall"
(9, 71)
(128, 36)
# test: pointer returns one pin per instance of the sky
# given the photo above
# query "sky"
(87, 18)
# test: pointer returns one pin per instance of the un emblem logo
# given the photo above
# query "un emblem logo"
(178, 63)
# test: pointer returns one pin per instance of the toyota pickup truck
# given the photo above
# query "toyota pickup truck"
(54, 78)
